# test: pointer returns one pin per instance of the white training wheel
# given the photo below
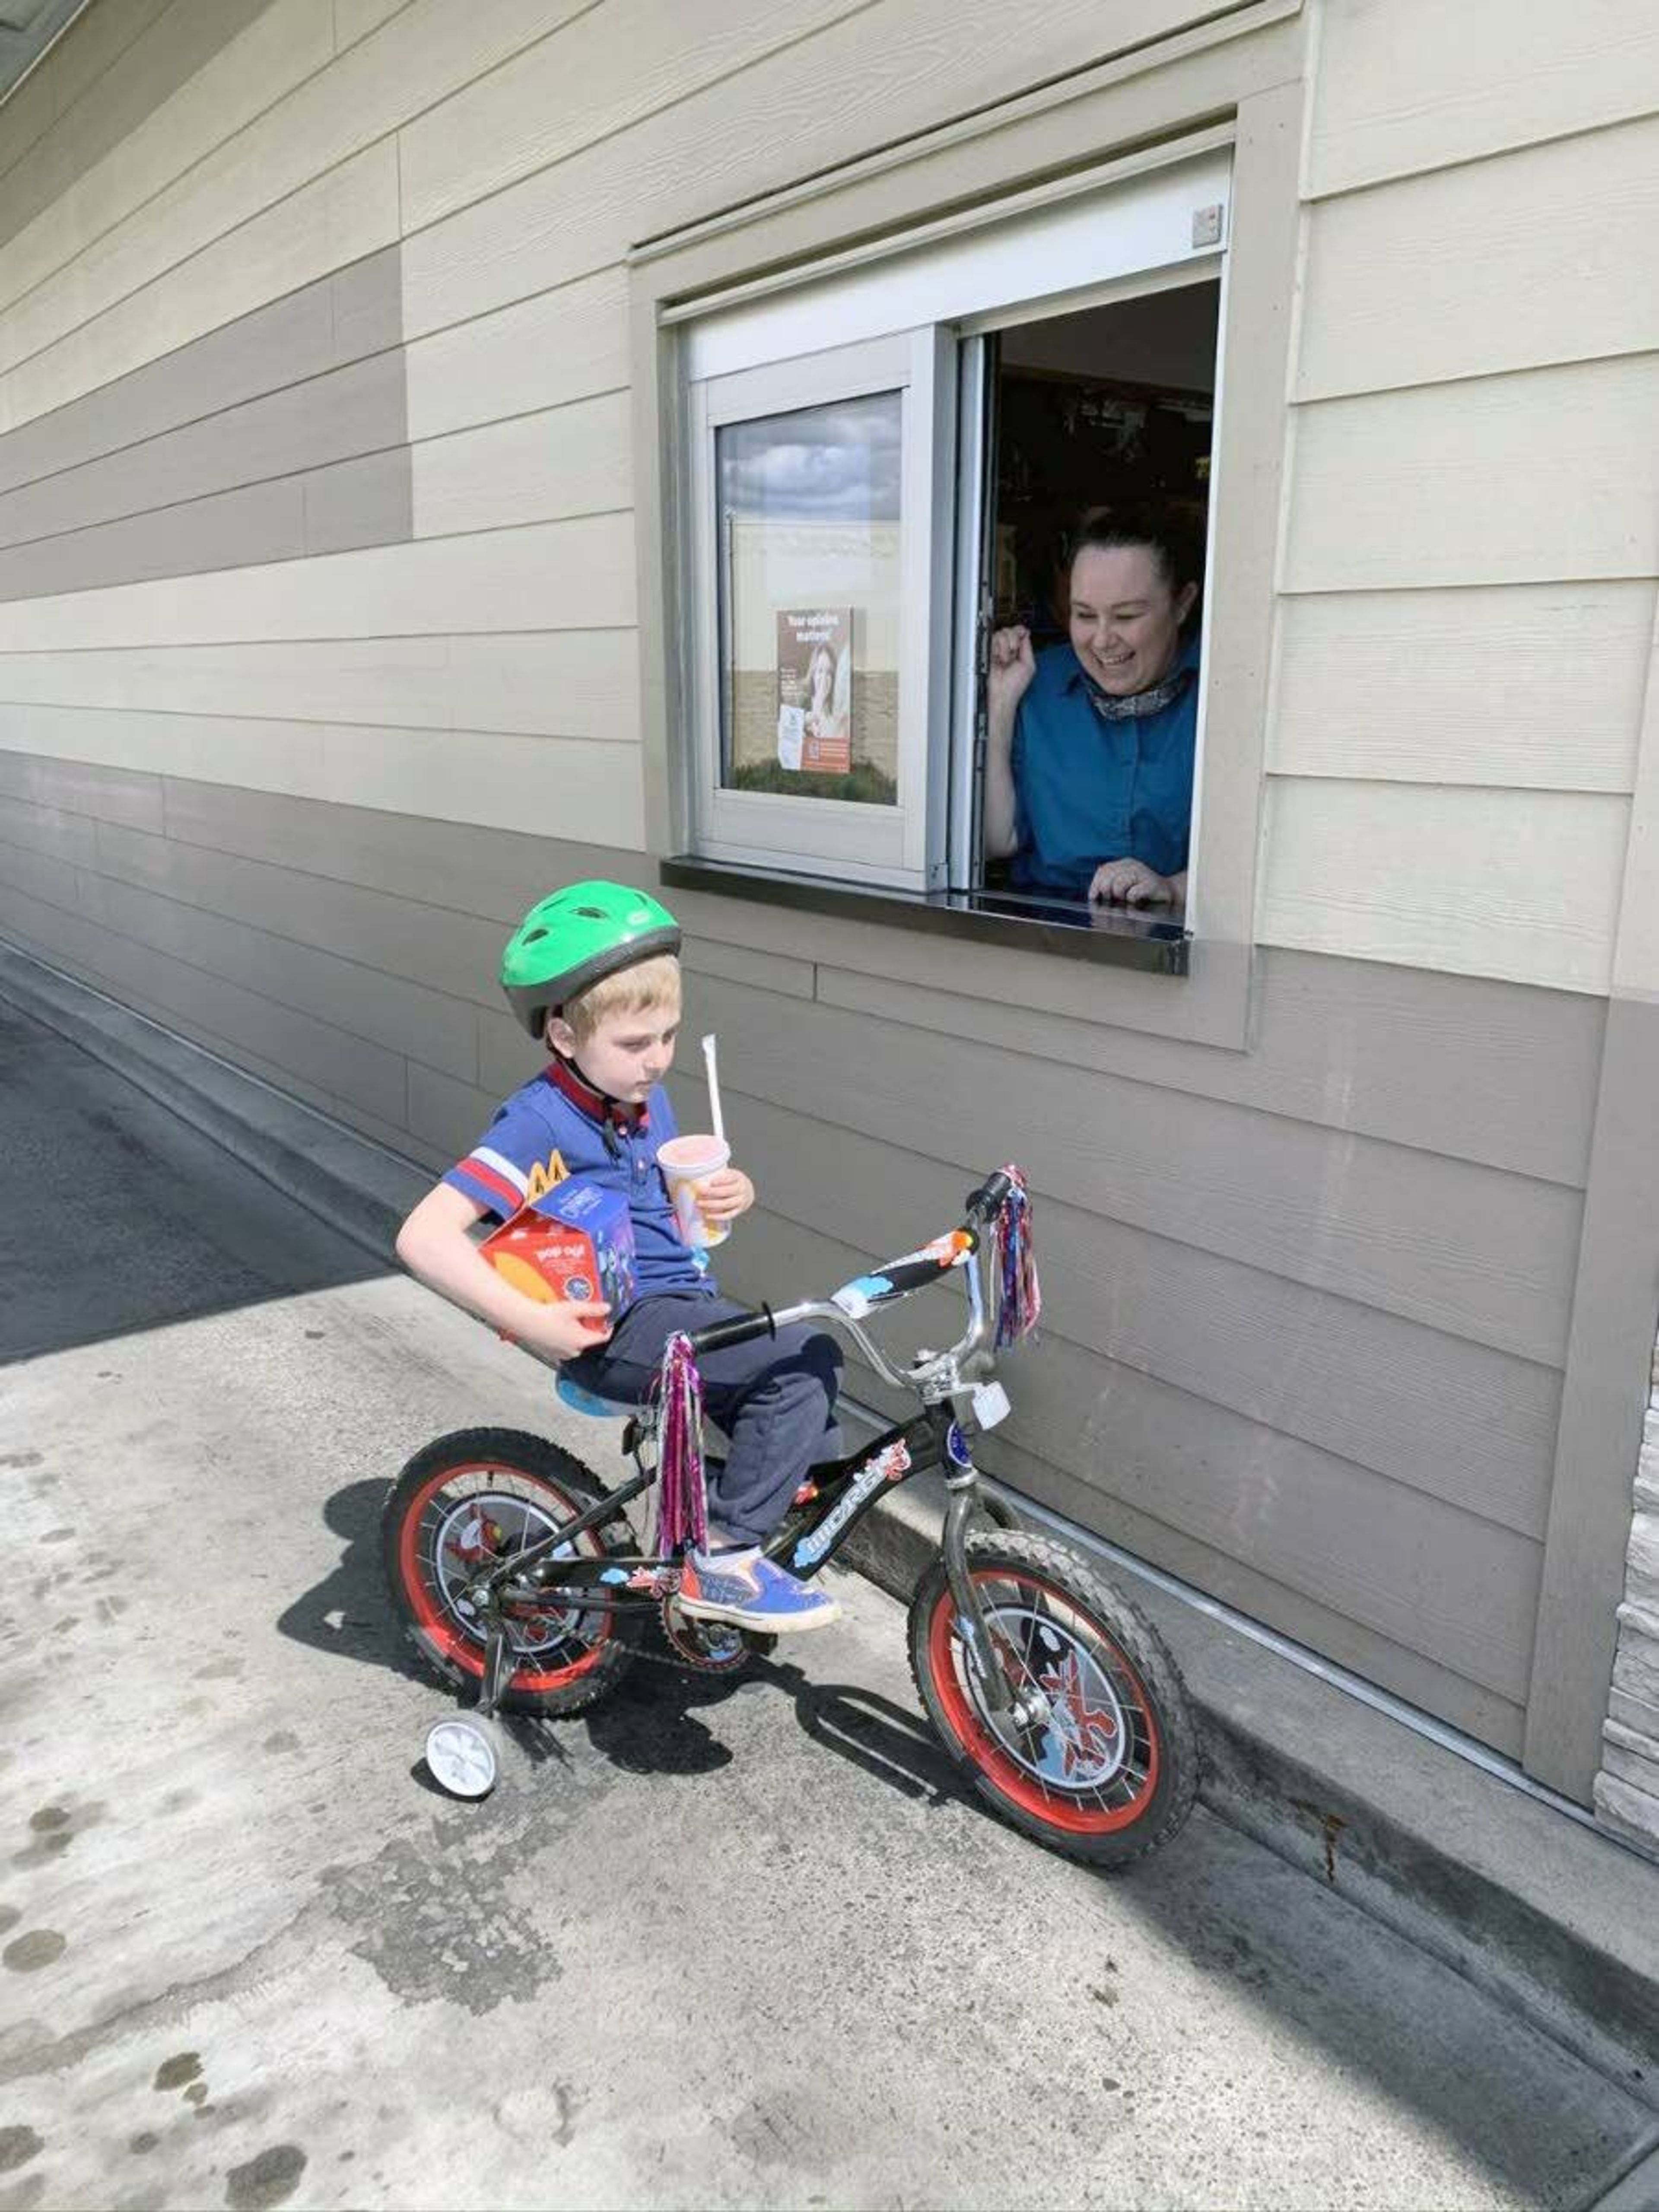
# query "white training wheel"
(462, 1755)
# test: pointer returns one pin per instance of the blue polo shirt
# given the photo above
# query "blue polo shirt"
(554, 1127)
(1088, 790)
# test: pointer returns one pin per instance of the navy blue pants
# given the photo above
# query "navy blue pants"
(775, 1398)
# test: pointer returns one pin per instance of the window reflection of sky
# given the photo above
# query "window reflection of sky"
(840, 462)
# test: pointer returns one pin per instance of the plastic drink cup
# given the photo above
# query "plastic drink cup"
(686, 1161)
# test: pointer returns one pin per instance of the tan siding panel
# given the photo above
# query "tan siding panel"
(50, 830)
(592, 791)
(1461, 1248)
(326, 121)
(84, 193)
(447, 1114)
(1551, 254)
(1465, 687)
(1519, 884)
(630, 58)
(558, 576)
(914, 66)
(1504, 480)
(565, 684)
(570, 343)
(571, 460)
(1478, 1071)
(348, 213)
(1414, 84)
(50, 93)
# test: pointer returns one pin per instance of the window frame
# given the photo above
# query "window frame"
(1248, 70)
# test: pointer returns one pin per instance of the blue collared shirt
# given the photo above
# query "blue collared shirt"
(554, 1126)
(1088, 790)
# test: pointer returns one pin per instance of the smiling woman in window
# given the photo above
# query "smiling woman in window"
(1089, 766)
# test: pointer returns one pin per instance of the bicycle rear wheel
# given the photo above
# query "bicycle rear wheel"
(470, 1500)
(1111, 1774)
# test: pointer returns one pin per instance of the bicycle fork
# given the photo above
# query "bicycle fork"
(1023, 1704)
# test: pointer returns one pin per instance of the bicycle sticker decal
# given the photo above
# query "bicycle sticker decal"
(887, 1465)
(956, 1444)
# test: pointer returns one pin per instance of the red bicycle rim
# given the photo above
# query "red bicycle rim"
(993, 1758)
(439, 1623)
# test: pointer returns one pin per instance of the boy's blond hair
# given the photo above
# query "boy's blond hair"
(654, 982)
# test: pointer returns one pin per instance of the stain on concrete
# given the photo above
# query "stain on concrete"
(24, 2195)
(427, 1935)
(22, 1459)
(285, 1740)
(174, 2072)
(143, 2143)
(17, 2147)
(56, 1827)
(41, 1947)
(220, 1670)
(63, 1627)
(196, 2093)
(58, 1536)
(1330, 1826)
(179, 1801)
(10, 1917)
(270, 2179)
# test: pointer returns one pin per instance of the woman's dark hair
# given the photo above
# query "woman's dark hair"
(1172, 544)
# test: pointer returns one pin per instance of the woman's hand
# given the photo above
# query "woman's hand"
(1132, 882)
(725, 1194)
(563, 1329)
(1013, 666)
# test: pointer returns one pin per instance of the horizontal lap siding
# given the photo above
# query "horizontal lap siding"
(1470, 540)
(1307, 1305)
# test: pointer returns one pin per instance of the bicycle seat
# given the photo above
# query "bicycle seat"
(590, 1402)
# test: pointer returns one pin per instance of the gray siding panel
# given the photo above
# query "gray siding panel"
(342, 317)
(360, 409)
(370, 502)
(1316, 1371)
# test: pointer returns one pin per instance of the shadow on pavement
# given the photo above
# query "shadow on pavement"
(119, 1217)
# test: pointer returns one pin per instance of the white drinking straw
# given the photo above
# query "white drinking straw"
(714, 1088)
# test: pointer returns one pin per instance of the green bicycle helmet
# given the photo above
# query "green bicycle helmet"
(575, 936)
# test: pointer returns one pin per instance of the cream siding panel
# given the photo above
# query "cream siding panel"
(573, 460)
(342, 217)
(286, 44)
(1551, 254)
(556, 576)
(630, 58)
(571, 343)
(571, 683)
(1519, 884)
(414, 60)
(1536, 686)
(1405, 85)
(590, 792)
(356, 19)
(1509, 479)
(913, 64)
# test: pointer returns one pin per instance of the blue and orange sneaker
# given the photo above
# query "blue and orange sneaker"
(746, 1588)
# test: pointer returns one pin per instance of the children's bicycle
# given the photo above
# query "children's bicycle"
(517, 1576)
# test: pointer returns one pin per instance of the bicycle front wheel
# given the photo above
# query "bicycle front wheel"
(1110, 1774)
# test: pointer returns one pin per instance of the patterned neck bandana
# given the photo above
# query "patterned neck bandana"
(1152, 700)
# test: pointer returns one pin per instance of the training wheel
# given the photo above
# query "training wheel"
(462, 1755)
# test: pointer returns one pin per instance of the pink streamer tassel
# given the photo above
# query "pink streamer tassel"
(682, 1494)
(1019, 1294)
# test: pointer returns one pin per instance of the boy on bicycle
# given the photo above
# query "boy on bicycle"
(592, 972)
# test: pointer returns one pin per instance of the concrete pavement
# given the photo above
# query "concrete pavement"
(706, 1945)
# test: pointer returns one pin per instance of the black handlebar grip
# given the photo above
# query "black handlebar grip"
(983, 1203)
(742, 1328)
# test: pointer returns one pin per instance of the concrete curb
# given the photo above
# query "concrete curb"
(1539, 1909)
